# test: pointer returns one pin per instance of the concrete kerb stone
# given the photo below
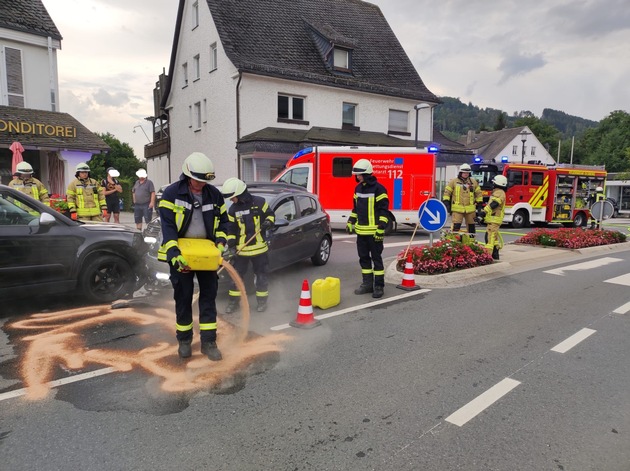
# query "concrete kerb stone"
(515, 258)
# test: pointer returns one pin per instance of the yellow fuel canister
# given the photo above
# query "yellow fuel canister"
(201, 254)
(326, 292)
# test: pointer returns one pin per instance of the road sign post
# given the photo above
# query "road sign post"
(432, 217)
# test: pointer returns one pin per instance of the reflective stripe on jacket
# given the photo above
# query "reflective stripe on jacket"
(370, 207)
(33, 188)
(495, 216)
(245, 219)
(86, 197)
(463, 195)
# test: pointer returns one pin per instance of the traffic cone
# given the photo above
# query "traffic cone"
(305, 318)
(409, 280)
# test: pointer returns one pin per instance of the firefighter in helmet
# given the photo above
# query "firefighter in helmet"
(594, 198)
(250, 217)
(29, 185)
(193, 208)
(86, 199)
(462, 196)
(494, 211)
(368, 220)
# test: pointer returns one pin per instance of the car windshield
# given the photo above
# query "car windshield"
(14, 212)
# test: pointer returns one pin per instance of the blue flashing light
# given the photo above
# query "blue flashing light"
(306, 150)
(477, 160)
(504, 159)
(433, 149)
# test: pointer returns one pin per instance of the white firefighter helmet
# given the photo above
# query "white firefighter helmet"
(24, 168)
(362, 166)
(198, 167)
(500, 180)
(233, 187)
(83, 167)
(465, 168)
(599, 189)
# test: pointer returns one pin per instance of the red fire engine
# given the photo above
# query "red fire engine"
(407, 173)
(540, 194)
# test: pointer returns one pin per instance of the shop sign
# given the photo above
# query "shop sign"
(38, 129)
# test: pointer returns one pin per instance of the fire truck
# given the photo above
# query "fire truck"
(542, 194)
(407, 173)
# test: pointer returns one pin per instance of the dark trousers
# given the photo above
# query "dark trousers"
(183, 288)
(260, 264)
(370, 258)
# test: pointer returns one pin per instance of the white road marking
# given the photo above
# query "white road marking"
(482, 402)
(600, 262)
(59, 382)
(622, 309)
(572, 341)
(620, 280)
(396, 244)
(360, 306)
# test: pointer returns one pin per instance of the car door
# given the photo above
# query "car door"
(31, 254)
(286, 242)
(310, 220)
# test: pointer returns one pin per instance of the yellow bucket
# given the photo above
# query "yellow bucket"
(201, 254)
(326, 292)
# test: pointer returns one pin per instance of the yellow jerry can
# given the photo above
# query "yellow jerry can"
(201, 254)
(326, 292)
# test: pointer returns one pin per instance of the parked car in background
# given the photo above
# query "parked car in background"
(302, 229)
(44, 252)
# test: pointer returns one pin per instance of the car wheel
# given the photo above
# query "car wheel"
(107, 278)
(520, 219)
(579, 220)
(323, 252)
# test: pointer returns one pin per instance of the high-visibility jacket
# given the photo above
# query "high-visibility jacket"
(463, 194)
(31, 187)
(176, 210)
(245, 219)
(85, 197)
(370, 207)
(494, 215)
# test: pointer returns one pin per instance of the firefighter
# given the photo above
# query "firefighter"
(192, 208)
(29, 185)
(368, 220)
(86, 199)
(462, 196)
(250, 217)
(594, 198)
(494, 211)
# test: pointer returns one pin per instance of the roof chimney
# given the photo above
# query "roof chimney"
(470, 137)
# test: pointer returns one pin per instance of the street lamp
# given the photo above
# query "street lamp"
(523, 135)
(142, 129)
(418, 107)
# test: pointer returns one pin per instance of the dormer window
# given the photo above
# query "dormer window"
(341, 59)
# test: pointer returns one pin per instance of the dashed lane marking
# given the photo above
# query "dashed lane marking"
(572, 341)
(600, 262)
(622, 309)
(482, 402)
(620, 280)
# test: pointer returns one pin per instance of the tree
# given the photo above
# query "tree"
(548, 135)
(501, 122)
(609, 143)
(120, 156)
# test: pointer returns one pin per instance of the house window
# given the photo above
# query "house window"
(197, 116)
(14, 75)
(213, 57)
(190, 116)
(514, 150)
(398, 121)
(205, 111)
(185, 72)
(195, 15)
(341, 59)
(349, 114)
(197, 70)
(291, 107)
(533, 150)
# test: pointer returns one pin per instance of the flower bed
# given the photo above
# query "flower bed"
(571, 238)
(445, 256)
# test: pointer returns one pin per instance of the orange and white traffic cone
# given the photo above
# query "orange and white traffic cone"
(305, 318)
(409, 280)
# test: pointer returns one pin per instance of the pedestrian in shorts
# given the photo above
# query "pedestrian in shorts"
(143, 193)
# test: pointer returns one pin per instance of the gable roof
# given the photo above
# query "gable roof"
(276, 38)
(489, 144)
(28, 16)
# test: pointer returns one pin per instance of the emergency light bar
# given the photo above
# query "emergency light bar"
(433, 149)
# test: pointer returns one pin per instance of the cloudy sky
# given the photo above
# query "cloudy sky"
(569, 55)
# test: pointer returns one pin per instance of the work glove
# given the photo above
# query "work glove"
(379, 235)
(104, 213)
(73, 216)
(221, 248)
(447, 203)
(266, 225)
(180, 264)
(349, 228)
(229, 254)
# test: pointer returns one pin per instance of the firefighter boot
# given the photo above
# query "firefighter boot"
(232, 306)
(378, 291)
(472, 230)
(366, 286)
(262, 305)
(495, 253)
(184, 350)
(209, 348)
(457, 226)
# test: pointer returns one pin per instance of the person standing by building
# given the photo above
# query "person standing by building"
(29, 185)
(143, 193)
(86, 200)
(192, 208)
(111, 189)
(368, 220)
(494, 211)
(462, 196)
(249, 218)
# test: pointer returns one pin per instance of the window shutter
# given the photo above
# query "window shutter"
(15, 83)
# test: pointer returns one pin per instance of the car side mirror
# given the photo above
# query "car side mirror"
(280, 222)
(46, 219)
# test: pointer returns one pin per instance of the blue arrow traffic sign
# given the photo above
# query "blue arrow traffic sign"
(432, 215)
